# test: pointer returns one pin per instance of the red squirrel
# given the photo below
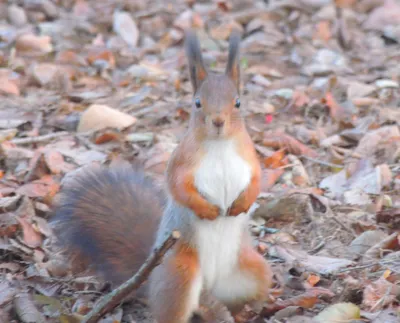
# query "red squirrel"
(112, 217)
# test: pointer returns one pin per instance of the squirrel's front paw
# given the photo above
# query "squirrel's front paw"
(238, 207)
(209, 212)
(236, 210)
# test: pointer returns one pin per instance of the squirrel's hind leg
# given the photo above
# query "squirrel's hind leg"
(175, 286)
(256, 268)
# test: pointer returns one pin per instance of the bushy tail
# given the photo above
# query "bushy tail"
(106, 219)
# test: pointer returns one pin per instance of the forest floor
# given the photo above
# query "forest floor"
(98, 81)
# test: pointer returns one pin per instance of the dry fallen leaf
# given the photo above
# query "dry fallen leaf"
(313, 280)
(125, 26)
(340, 312)
(279, 140)
(317, 264)
(55, 161)
(276, 160)
(44, 74)
(306, 300)
(32, 44)
(8, 87)
(269, 178)
(26, 309)
(363, 242)
(388, 14)
(17, 15)
(98, 117)
(390, 216)
(32, 238)
(379, 294)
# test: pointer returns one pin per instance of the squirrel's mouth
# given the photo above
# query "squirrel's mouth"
(218, 132)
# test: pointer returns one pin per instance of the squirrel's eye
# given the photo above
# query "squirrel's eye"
(197, 102)
(237, 103)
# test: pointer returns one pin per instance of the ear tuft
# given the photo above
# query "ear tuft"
(197, 70)
(233, 66)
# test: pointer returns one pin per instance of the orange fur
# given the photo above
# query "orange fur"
(171, 285)
(249, 196)
(181, 181)
(252, 263)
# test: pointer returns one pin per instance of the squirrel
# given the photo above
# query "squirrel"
(111, 217)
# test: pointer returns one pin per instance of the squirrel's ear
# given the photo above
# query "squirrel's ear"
(195, 61)
(233, 68)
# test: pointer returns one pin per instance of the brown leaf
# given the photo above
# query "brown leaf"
(276, 160)
(389, 216)
(223, 31)
(102, 54)
(44, 187)
(8, 87)
(70, 57)
(33, 190)
(313, 280)
(336, 111)
(379, 294)
(306, 300)
(389, 243)
(106, 136)
(8, 225)
(323, 30)
(365, 241)
(269, 178)
(279, 140)
(32, 238)
(44, 74)
(55, 161)
(32, 44)
(382, 141)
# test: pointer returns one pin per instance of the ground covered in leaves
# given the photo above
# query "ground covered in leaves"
(96, 81)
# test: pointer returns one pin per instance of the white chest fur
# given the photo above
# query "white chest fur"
(221, 177)
(223, 174)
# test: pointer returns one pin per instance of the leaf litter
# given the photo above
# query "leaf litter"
(85, 82)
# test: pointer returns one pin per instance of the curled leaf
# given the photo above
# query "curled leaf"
(279, 140)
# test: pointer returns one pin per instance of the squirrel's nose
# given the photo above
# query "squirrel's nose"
(218, 122)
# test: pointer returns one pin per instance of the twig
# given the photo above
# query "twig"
(37, 139)
(113, 299)
(372, 264)
(344, 226)
(321, 162)
(317, 248)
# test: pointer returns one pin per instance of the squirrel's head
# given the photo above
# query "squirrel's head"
(216, 100)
